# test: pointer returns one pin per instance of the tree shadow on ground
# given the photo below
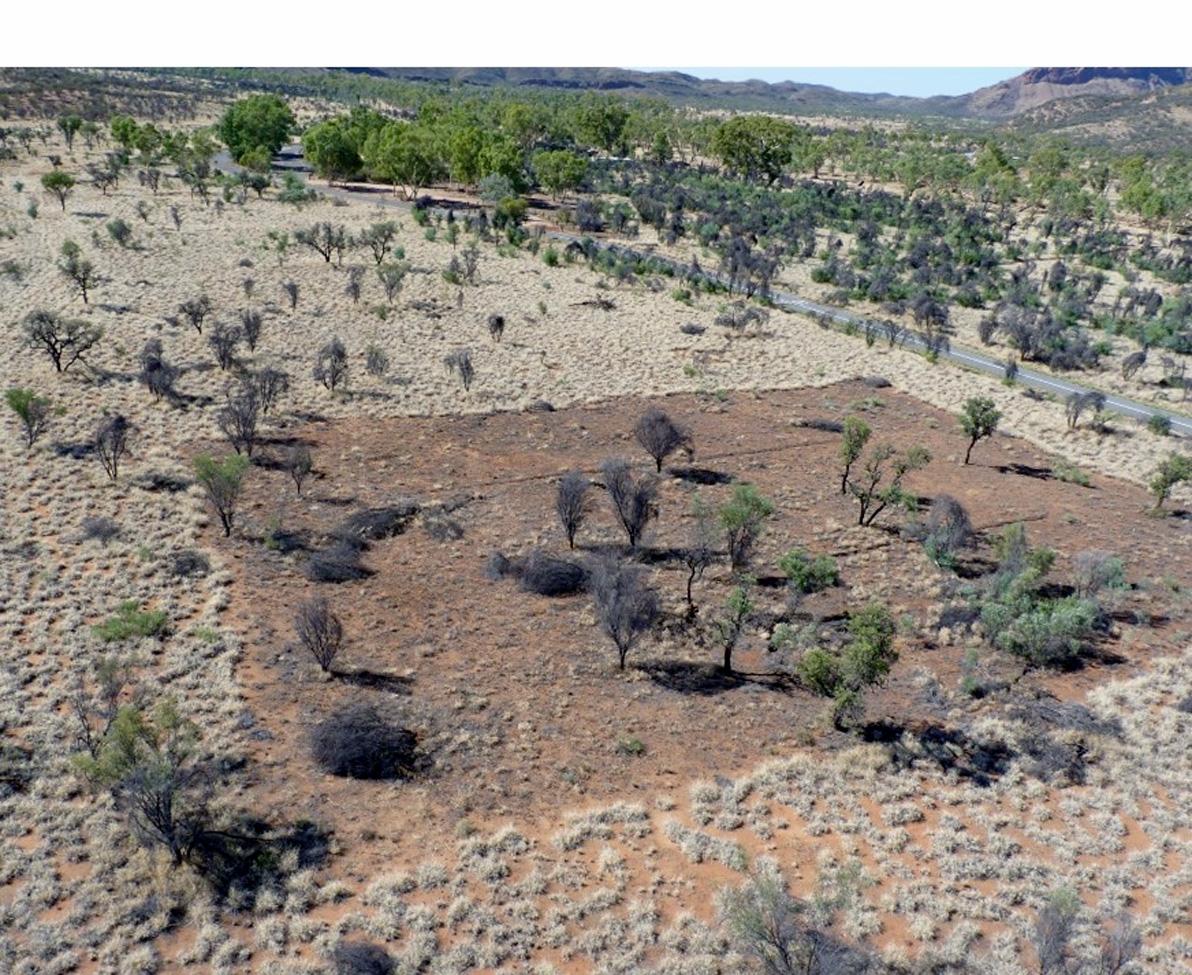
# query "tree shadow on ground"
(687, 677)
(374, 680)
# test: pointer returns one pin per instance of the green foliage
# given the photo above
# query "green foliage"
(865, 660)
(1175, 469)
(754, 146)
(738, 609)
(742, 518)
(978, 420)
(871, 489)
(222, 482)
(32, 410)
(1071, 474)
(559, 170)
(853, 440)
(59, 184)
(254, 122)
(402, 154)
(806, 573)
(1159, 425)
(131, 622)
(1018, 618)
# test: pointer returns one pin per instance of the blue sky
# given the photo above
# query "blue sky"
(896, 81)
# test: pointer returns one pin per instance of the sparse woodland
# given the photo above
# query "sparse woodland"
(390, 587)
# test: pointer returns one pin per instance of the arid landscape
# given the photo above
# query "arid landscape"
(406, 569)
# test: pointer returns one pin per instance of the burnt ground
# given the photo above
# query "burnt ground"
(517, 698)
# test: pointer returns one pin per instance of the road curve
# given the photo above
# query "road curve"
(290, 161)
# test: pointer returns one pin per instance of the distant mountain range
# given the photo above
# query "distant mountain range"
(1005, 100)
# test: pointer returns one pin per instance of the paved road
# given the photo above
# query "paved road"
(291, 161)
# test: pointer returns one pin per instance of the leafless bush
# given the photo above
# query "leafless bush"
(459, 362)
(299, 464)
(291, 292)
(189, 563)
(376, 362)
(548, 576)
(338, 563)
(632, 498)
(270, 384)
(625, 606)
(355, 281)
(571, 503)
(195, 311)
(319, 631)
(331, 365)
(496, 326)
(356, 742)
(99, 529)
(660, 436)
(239, 418)
(1095, 570)
(223, 341)
(158, 375)
(1077, 404)
(948, 529)
(111, 442)
(251, 322)
(361, 958)
(1132, 363)
(373, 524)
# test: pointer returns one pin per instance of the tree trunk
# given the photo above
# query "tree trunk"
(968, 453)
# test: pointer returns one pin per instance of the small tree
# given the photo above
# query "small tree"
(948, 530)
(459, 361)
(111, 442)
(379, 237)
(699, 552)
(158, 375)
(239, 418)
(632, 498)
(660, 436)
(58, 184)
(65, 340)
(978, 420)
(331, 365)
(571, 503)
(496, 326)
(251, 322)
(195, 311)
(69, 126)
(856, 436)
(867, 489)
(737, 611)
(77, 269)
(625, 606)
(291, 291)
(392, 276)
(1054, 929)
(299, 465)
(742, 518)
(149, 765)
(223, 341)
(270, 385)
(32, 410)
(319, 631)
(222, 482)
(865, 660)
(324, 239)
(1176, 469)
